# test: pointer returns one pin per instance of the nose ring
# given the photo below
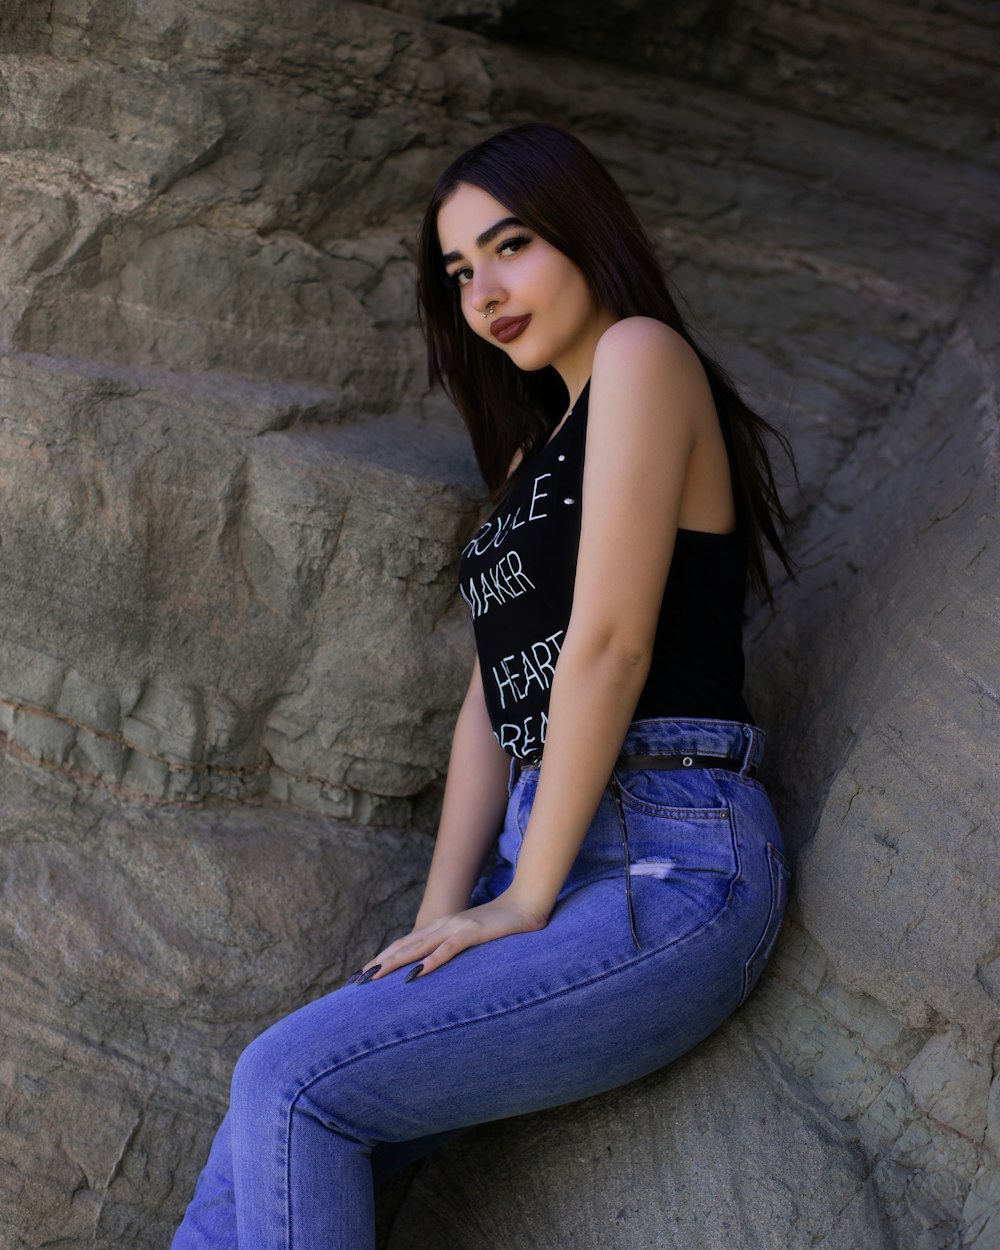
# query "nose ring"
(489, 309)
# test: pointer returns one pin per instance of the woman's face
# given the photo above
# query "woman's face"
(539, 309)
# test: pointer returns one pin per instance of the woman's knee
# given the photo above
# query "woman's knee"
(266, 1068)
(293, 1067)
(289, 1056)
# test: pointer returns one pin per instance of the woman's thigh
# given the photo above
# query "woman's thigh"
(537, 1019)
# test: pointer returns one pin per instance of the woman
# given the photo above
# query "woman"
(638, 881)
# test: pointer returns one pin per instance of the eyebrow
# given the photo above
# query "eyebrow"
(485, 237)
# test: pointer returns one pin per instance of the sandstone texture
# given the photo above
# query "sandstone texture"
(231, 649)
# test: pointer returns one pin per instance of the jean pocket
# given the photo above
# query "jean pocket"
(672, 793)
(778, 876)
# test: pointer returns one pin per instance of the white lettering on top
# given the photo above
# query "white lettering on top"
(516, 672)
(495, 532)
(536, 495)
(521, 738)
(506, 580)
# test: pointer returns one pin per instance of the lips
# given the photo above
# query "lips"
(508, 328)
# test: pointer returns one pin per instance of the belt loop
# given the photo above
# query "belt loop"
(750, 733)
(515, 772)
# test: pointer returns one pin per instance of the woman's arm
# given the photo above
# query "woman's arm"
(475, 797)
(654, 458)
(650, 409)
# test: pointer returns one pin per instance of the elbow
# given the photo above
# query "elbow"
(632, 657)
(621, 654)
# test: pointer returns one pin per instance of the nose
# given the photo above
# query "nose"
(486, 292)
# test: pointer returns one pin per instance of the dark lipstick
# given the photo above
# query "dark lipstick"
(508, 328)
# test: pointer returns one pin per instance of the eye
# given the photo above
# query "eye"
(510, 246)
(458, 277)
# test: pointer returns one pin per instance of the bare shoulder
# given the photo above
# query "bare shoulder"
(641, 340)
(642, 357)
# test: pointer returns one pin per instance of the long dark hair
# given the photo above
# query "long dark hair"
(558, 188)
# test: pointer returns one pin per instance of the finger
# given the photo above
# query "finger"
(432, 950)
(398, 954)
(445, 950)
(401, 950)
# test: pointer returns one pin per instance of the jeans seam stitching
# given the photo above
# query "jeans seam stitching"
(288, 1173)
(774, 890)
(675, 813)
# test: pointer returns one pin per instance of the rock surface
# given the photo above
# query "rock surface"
(142, 945)
(230, 647)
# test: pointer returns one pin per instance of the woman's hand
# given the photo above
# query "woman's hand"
(436, 943)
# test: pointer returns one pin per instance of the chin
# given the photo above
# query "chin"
(526, 360)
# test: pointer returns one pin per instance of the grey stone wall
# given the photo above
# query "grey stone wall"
(230, 648)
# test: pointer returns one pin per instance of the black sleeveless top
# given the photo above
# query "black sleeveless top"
(517, 576)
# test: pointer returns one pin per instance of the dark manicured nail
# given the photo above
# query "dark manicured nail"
(414, 972)
(367, 976)
(353, 977)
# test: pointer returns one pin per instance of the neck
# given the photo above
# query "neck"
(577, 366)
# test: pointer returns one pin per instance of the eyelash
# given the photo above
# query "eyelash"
(520, 240)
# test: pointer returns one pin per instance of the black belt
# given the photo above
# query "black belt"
(666, 762)
(658, 763)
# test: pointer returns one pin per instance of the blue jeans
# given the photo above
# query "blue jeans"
(353, 1086)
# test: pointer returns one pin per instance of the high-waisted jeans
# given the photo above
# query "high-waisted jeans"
(353, 1086)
